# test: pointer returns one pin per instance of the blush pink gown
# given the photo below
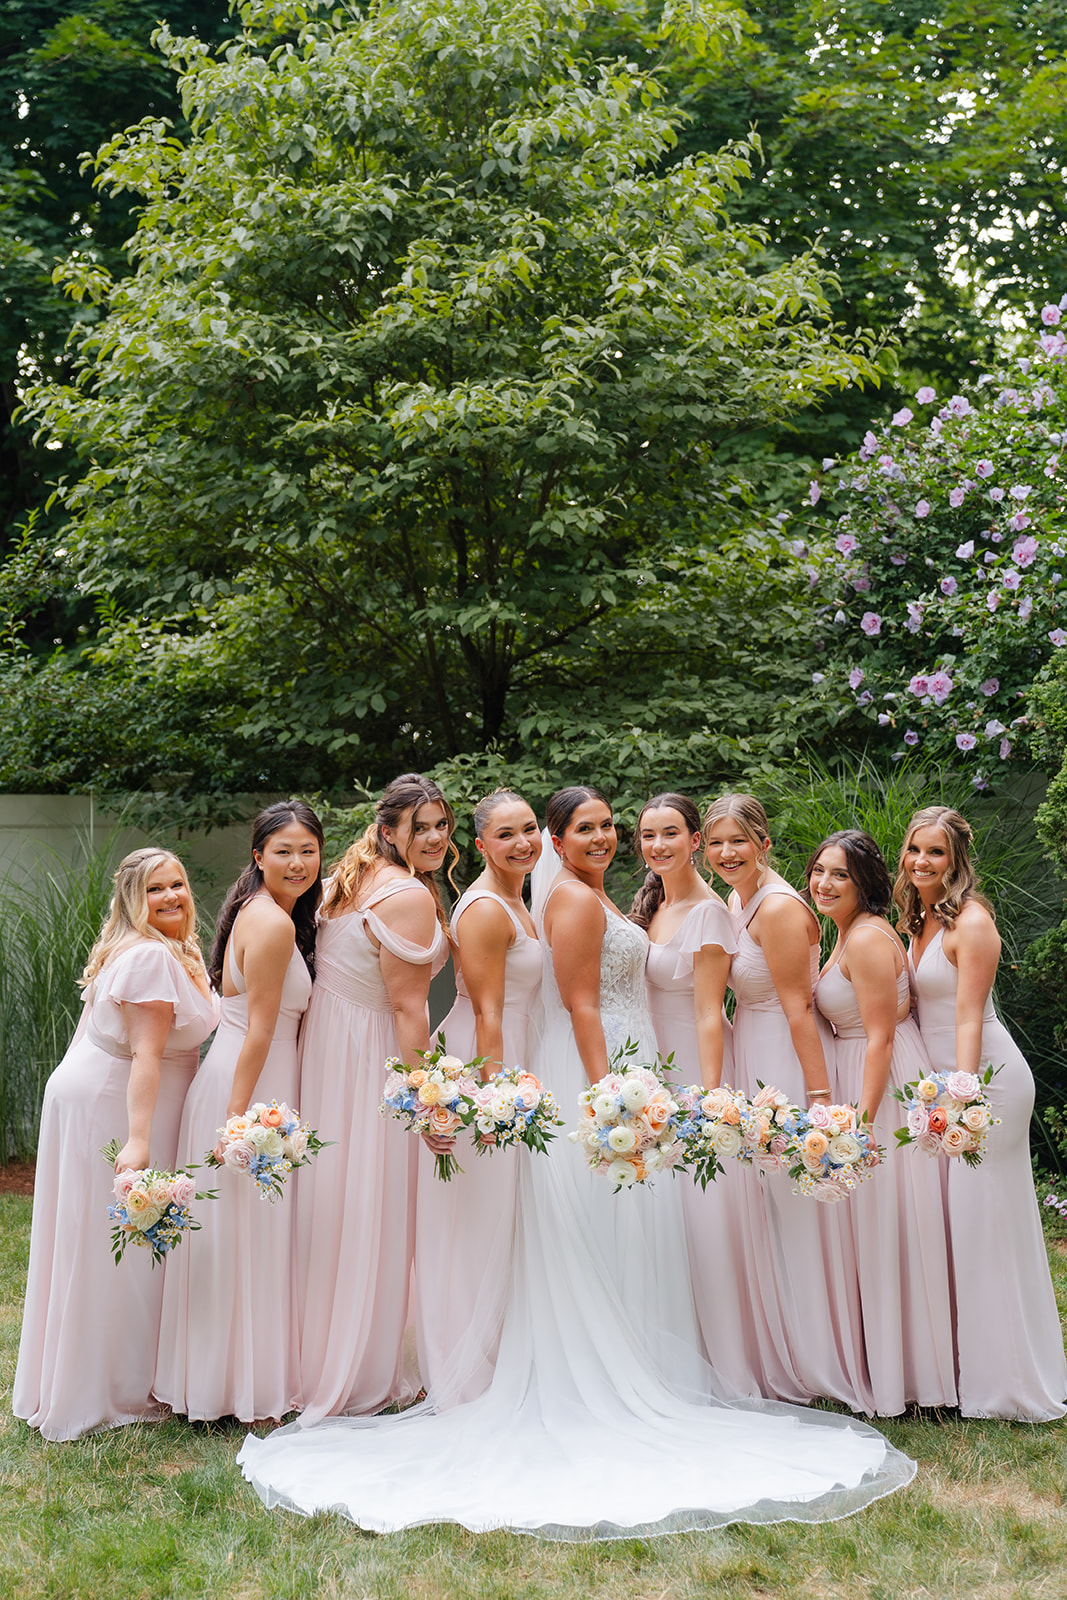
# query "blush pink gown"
(800, 1254)
(465, 1229)
(721, 1288)
(355, 1211)
(896, 1217)
(227, 1342)
(1009, 1341)
(89, 1329)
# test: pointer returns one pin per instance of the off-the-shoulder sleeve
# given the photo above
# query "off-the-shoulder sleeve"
(145, 972)
(418, 954)
(708, 923)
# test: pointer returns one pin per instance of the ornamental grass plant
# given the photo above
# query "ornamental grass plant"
(161, 1512)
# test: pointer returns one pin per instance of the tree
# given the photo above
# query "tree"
(414, 401)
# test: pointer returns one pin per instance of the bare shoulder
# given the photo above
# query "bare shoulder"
(263, 922)
(574, 906)
(485, 919)
(412, 914)
(975, 931)
(785, 916)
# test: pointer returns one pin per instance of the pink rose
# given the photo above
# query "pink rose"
(930, 1143)
(183, 1189)
(239, 1155)
(124, 1182)
(963, 1086)
(918, 1121)
(819, 1116)
(778, 1145)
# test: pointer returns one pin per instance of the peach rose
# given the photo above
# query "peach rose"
(429, 1093)
(442, 1121)
(841, 1116)
(272, 1117)
(956, 1140)
(417, 1078)
(159, 1193)
(731, 1114)
(975, 1118)
(658, 1115)
(236, 1127)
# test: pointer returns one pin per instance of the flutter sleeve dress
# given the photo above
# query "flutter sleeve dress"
(464, 1234)
(712, 1226)
(1009, 1342)
(89, 1329)
(355, 1210)
(228, 1344)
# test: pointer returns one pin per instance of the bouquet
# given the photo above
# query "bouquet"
(948, 1113)
(437, 1098)
(513, 1108)
(150, 1208)
(629, 1126)
(723, 1124)
(830, 1151)
(267, 1142)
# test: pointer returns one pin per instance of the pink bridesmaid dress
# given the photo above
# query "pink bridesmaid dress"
(228, 1343)
(355, 1210)
(1008, 1337)
(465, 1229)
(89, 1329)
(896, 1220)
(801, 1261)
(712, 1219)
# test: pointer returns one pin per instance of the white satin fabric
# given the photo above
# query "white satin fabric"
(602, 1420)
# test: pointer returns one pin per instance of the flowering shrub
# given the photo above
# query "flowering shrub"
(936, 554)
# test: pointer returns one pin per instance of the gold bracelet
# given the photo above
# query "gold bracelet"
(818, 1094)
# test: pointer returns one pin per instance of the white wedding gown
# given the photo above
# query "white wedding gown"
(601, 1420)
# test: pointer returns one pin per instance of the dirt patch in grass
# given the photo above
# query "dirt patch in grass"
(17, 1177)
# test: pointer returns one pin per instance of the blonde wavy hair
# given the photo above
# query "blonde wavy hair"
(349, 874)
(748, 813)
(127, 917)
(960, 883)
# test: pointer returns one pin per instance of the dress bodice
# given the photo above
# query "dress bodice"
(523, 964)
(750, 976)
(623, 1004)
(669, 965)
(348, 964)
(144, 972)
(935, 981)
(835, 997)
(296, 992)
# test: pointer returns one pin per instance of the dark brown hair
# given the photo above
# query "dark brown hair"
(269, 822)
(649, 897)
(866, 867)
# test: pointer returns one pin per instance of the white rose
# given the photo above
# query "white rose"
(450, 1064)
(147, 1218)
(259, 1136)
(726, 1140)
(297, 1144)
(845, 1147)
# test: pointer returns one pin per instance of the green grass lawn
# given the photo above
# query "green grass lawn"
(161, 1511)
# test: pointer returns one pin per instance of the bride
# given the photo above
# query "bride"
(601, 1421)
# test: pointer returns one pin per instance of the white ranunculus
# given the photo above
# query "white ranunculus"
(622, 1140)
(606, 1107)
(634, 1095)
(622, 1173)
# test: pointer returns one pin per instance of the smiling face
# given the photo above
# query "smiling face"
(666, 844)
(833, 888)
(589, 841)
(421, 836)
(289, 861)
(169, 900)
(732, 853)
(927, 860)
(511, 839)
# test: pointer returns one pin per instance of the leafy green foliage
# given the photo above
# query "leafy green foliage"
(412, 408)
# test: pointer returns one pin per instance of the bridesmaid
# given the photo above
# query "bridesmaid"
(691, 940)
(89, 1329)
(464, 1233)
(228, 1343)
(901, 1251)
(807, 1332)
(1009, 1343)
(382, 936)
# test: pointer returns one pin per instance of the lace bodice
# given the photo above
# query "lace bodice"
(623, 1002)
